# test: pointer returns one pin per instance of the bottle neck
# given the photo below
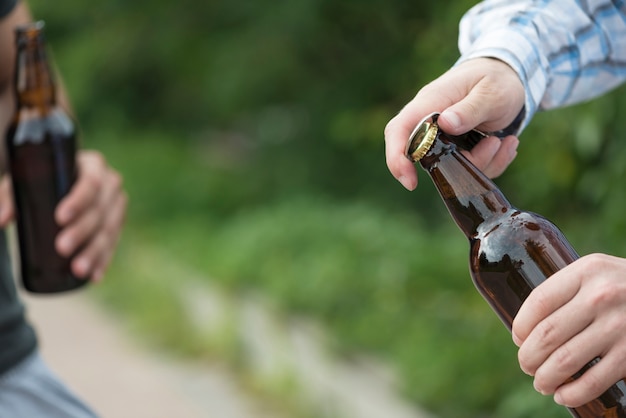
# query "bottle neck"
(34, 83)
(471, 197)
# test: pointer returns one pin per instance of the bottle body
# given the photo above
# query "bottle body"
(41, 148)
(508, 259)
(512, 255)
(511, 251)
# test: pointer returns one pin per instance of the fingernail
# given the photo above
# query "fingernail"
(516, 340)
(537, 388)
(81, 267)
(452, 118)
(558, 399)
(65, 245)
(406, 182)
(65, 216)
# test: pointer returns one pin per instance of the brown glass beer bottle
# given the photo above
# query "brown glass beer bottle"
(41, 148)
(511, 251)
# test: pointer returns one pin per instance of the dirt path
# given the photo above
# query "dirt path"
(119, 377)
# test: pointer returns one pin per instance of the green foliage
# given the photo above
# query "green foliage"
(250, 138)
(304, 87)
(377, 283)
(390, 285)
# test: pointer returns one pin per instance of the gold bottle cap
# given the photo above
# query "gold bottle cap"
(422, 138)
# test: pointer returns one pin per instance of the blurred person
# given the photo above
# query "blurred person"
(91, 217)
(519, 57)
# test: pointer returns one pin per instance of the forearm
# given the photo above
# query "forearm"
(563, 51)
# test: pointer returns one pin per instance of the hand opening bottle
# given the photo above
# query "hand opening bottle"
(41, 147)
(511, 251)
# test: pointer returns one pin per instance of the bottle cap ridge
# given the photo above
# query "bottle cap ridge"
(422, 138)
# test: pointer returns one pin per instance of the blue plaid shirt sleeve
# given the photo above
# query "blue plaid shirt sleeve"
(565, 51)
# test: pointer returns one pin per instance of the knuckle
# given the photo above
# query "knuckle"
(591, 263)
(614, 325)
(96, 182)
(472, 109)
(602, 288)
(92, 178)
(110, 230)
(540, 301)
(604, 293)
(546, 331)
(565, 360)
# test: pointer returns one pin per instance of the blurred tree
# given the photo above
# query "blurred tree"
(306, 87)
(253, 104)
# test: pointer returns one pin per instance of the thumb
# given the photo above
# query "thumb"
(462, 116)
(489, 95)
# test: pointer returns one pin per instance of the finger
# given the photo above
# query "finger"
(89, 259)
(465, 115)
(557, 335)
(85, 191)
(397, 134)
(7, 210)
(468, 114)
(79, 232)
(593, 383)
(503, 157)
(569, 358)
(483, 152)
(101, 265)
(545, 299)
(84, 227)
(87, 211)
(493, 155)
(94, 257)
(579, 330)
(493, 100)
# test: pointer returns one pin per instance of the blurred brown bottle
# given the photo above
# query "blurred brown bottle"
(511, 251)
(41, 148)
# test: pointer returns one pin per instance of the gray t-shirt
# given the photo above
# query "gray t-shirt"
(17, 338)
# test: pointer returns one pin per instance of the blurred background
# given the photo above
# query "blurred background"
(250, 137)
